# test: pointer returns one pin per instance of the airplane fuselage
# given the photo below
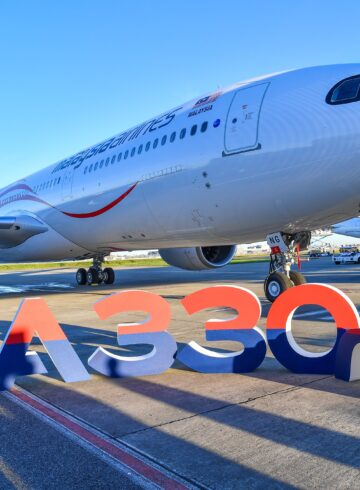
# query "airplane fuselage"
(231, 167)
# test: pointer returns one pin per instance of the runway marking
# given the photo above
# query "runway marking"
(310, 313)
(54, 287)
(151, 475)
(325, 315)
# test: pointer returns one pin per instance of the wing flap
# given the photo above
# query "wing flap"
(15, 230)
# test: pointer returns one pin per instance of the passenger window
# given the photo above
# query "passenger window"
(113, 160)
(126, 154)
(133, 151)
(193, 130)
(204, 126)
(346, 91)
(156, 141)
(172, 137)
(140, 149)
(96, 166)
(182, 133)
(85, 170)
(147, 147)
(101, 164)
(119, 157)
(163, 140)
(107, 162)
(59, 180)
(216, 123)
(90, 168)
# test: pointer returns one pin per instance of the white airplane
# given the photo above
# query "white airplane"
(350, 227)
(258, 159)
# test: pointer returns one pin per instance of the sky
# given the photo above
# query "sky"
(74, 72)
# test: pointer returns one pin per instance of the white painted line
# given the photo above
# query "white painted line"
(309, 313)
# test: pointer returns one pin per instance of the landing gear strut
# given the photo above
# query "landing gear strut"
(96, 274)
(284, 249)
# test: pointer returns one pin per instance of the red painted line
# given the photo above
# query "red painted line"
(152, 474)
(102, 210)
(15, 188)
(26, 197)
(93, 214)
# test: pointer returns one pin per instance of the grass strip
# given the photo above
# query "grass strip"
(115, 263)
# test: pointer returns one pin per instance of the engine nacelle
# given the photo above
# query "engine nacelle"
(198, 258)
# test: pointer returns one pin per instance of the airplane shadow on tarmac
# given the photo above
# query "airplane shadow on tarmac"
(179, 452)
(187, 457)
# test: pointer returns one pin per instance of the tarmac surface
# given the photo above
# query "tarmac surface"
(270, 428)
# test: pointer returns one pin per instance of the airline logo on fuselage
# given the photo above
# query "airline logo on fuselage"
(76, 161)
(204, 104)
(207, 100)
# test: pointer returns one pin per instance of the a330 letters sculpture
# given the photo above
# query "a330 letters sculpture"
(34, 317)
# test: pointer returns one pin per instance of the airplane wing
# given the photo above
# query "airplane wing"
(15, 230)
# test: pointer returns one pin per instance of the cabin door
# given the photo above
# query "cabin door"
(242, 123)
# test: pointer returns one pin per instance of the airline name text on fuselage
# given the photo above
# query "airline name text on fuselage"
(132, 134)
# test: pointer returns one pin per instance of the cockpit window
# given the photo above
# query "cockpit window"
(346, 91)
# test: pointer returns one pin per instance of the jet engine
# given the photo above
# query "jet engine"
(198, 258)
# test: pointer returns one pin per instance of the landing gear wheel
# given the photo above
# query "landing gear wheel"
(297, 278)
(93, 276)
(275, 284)
(109, 275)
(81, 277)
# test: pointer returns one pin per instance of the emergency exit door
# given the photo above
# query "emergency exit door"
(242, 123)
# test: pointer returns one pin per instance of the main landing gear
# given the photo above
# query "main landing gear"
(284, 251)
(96, 274)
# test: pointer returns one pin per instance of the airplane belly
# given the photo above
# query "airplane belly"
(105, 221)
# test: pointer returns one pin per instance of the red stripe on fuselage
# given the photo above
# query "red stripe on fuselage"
(15, 188)
(103, 210)
(93, 214)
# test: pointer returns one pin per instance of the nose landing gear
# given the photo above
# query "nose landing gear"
(284, 248)
(95, 274)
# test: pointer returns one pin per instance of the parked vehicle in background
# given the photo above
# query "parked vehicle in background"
(347, 255)
(317, 253)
